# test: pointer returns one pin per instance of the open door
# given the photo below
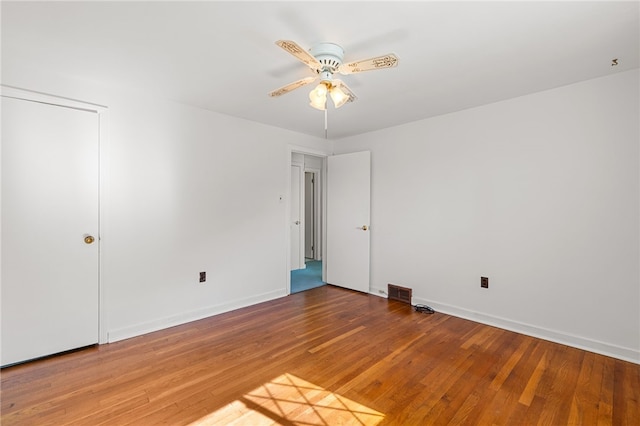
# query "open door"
(348, 213)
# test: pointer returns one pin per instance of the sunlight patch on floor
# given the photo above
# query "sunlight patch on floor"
(289, 400)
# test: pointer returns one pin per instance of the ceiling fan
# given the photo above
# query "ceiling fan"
(325, 59)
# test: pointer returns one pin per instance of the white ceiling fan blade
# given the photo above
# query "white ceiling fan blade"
(379, 62)
(292, 86)
(302, 55)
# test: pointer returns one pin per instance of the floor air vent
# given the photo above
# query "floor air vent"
(401, 294)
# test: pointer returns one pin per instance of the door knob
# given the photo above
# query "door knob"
(364, 227)
(297, 222)
(89, 239)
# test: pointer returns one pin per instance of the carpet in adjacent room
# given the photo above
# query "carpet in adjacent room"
(307, 278)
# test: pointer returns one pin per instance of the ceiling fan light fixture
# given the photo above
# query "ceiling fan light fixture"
(338, 97)
(318, 97)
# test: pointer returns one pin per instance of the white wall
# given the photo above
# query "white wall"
(184, 190)
(538, 193)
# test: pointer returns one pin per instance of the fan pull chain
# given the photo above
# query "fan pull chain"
(325, 123)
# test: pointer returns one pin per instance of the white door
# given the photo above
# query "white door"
(49, 212)
(297, 260)
(348, 210)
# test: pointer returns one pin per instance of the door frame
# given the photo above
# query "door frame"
(316, 153)
(301, 226)
(103, 120)
(317, 201)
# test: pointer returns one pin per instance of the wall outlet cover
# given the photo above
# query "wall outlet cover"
(484, 282)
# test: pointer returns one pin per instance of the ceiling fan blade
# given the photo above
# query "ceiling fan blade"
(302, 55)
(379, 62)
(346, 90)
(292, 86)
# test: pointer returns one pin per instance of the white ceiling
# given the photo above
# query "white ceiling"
(221, 55)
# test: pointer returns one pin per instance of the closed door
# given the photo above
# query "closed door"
(348, 212)
(49, 229)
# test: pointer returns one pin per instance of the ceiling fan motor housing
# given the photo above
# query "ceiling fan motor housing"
(330, 55)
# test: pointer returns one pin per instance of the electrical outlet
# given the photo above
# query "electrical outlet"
(484, 282)
(203, 277)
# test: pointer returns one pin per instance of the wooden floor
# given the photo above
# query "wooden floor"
(324, 357)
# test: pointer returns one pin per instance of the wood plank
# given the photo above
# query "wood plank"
(336, 339)
(626, 393)
(529, 392)
(350, 358)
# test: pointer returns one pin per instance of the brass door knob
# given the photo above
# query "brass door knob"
(364, 227)
(89, 239)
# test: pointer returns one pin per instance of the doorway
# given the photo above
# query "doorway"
(306, 222)
(345, 186)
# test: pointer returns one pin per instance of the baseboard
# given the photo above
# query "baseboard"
(172, 321)
(619, 352)
(380, 292)
(607, 349)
